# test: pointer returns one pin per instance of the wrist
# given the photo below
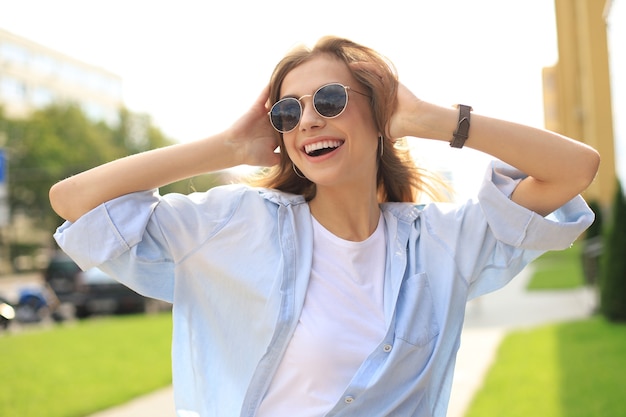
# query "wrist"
(461, 132)
(217, 152)
(435, 122)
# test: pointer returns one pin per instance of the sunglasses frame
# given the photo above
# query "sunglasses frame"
(299, 101)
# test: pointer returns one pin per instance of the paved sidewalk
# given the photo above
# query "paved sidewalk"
(157, 404)
(488, 320)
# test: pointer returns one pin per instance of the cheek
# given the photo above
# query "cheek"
(364, 117)
(365, 128)
(289, 145)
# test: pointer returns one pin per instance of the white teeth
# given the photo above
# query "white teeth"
(321, 145)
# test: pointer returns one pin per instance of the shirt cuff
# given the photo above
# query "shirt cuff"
(519, 227)
(95, 237)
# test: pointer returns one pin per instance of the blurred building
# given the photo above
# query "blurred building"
(577, 90)
(33, 76)
(615, 14)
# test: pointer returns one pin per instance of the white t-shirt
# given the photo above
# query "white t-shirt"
(342, 322)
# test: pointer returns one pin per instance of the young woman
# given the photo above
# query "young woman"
(326, 292)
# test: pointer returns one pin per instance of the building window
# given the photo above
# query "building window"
(13, 54)
(12, 89)
(44, 64)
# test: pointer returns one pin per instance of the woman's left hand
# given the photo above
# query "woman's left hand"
(405, 120)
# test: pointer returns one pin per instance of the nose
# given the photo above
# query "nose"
(310, 118)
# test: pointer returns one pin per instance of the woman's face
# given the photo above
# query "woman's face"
(349, 141)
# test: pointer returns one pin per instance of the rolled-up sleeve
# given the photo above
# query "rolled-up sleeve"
(520, 235)
(108, 230)
(491, 238)
(141, 238)
(519, 227)
(109, 237)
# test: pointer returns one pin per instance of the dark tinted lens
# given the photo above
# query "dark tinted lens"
(285, 114)
(330, 100)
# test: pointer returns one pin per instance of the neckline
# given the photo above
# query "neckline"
(328, 235)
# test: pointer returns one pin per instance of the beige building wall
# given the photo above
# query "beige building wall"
(615, 14)
(577, 90)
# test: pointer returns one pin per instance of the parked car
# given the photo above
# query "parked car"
(98, 293)
(91, 291)
(61, 275)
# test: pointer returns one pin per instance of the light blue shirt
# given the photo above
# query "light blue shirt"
(235, 262)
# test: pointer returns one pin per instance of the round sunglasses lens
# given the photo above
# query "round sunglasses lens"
(330, 100)
(285, 114)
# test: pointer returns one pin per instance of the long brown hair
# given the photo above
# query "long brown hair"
(398, 178)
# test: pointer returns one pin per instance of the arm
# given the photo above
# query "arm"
(558, 168)
(251, 140)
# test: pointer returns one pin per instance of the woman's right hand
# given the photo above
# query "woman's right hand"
(252, 136)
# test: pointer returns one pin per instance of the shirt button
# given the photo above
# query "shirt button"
(349, 399)
(387, 348)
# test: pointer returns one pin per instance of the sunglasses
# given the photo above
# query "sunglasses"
(329, 101)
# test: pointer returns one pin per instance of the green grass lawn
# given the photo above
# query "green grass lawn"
(78, 368)
(575, 369)
(558, 270)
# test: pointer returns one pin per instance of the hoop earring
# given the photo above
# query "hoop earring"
(381, 140)
(295, 169)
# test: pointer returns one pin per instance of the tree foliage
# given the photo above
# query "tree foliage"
(60, 141)
(613, 270)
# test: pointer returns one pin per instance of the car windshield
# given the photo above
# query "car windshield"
(97, 276)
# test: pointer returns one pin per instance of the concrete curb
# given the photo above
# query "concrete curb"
(156, 404)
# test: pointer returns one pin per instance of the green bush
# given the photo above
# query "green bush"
(592, 246)
(613, 263)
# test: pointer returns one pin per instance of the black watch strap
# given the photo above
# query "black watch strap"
(461, 133)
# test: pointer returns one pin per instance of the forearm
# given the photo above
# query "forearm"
(558, 168)
(74, 196)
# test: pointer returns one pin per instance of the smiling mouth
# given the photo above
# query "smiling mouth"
(322, 148)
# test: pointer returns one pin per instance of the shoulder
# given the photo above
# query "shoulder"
(224, 200)
(234, 192)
